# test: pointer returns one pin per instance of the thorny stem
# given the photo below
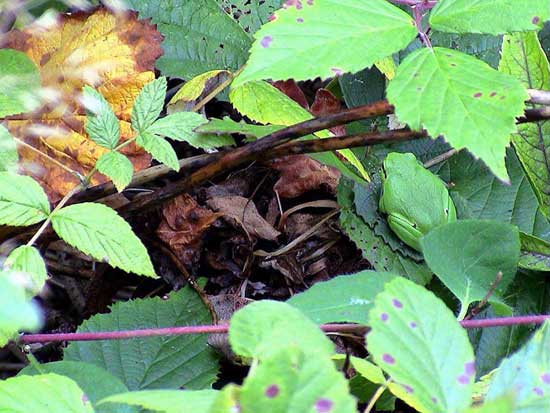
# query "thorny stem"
(224, 328)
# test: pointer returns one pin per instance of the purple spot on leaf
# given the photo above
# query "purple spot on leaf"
(545, 378)
(300, 20)
(272, 391)
(536, 20)
(323, 405)
(388, 358)
(337, 71)
(293, 3)
(453, 64)
(493, 94)
(538, 391)
(463, 379)
(434, 400)
(266, 41)
(84, 398)
(470, 368)
(412, 324)
(396, 303)
(478, 95)
(384, 317)
(272, 18)
(408, 389)
(310, 2)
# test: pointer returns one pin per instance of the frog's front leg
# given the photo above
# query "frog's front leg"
(406, 231)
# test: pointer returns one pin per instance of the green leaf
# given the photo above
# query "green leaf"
(489, 16)
(262, 328)
(28, 261)
(117, 167)
(411, 331)
(8, 151)
(227, 400)
(227, 126)
(196, 89)
(159, 148)
(166, 401)
(347, 298)
(306, 39)
(535, 253)
(503, 405)
(373, 247)
(483, 103)
(16, 312)
(181, 126)
(19, 82)
(100, 232)
(23, 202)
(467, 255)
(479, 195)
(264, 103)
(101, 122)
(483, 46)
(43, 393)
(523, 58)
(163, 362)
(526, 375)
(148, 104)
(212, 39)
(251, 14)
(97, 383)
(293, 382)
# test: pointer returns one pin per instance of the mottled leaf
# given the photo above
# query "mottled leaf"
(305, 39)
(411, 330)
(485, 102)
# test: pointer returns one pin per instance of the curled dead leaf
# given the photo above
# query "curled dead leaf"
(183, 225)
(300, 174)
(244, 212)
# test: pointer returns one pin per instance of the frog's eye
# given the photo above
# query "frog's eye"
(446, 211)
(414, 225)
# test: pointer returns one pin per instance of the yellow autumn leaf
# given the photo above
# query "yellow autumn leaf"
(116, 54)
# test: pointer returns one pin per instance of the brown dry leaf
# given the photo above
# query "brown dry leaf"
(183, 225)
(245, 213)
(326, 103)
(300, 174)
(292, 90)
(116, 54)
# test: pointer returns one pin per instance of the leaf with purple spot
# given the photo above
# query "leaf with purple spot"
(326, 38)
(264, 327)
(412, 346)
(489, 16)
(426, 81)
(292, 381)
(527, 374)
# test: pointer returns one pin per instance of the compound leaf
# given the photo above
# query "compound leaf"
(100, 232)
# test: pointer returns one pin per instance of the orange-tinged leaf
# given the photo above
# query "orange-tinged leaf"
(115, 53)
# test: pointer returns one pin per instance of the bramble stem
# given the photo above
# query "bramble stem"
(223, 328)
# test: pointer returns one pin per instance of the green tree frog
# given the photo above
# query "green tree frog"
(415, 200)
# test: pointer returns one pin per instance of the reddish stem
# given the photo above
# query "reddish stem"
(223, 328)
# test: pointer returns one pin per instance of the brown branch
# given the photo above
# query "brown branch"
(253, 150)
